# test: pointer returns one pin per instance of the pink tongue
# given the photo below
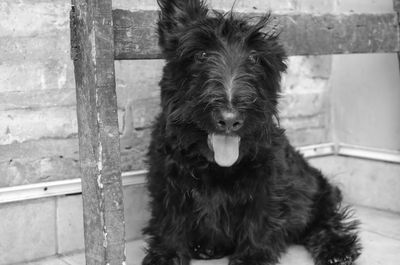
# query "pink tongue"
(226, 149)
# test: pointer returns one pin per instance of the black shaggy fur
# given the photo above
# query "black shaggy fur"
(270, 197)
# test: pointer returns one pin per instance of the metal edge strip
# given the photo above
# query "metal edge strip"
(368, 153)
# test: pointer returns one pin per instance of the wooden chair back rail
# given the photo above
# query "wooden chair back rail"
(302, 34)
(100, 35)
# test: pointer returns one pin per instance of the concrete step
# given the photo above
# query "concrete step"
(380, 235)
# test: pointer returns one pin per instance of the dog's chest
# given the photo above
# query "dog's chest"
(211, 208)
(213, 224)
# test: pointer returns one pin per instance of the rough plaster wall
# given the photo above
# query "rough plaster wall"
(37, 97)
(366, 109)
(38, 131)
(365, 96)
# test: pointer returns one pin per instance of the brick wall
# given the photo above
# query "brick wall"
(38, 128)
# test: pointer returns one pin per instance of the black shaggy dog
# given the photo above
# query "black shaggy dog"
(224, 180)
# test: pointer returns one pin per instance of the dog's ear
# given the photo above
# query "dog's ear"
(265, 35)
(176, 14)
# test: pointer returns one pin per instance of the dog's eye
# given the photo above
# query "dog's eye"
(201, 56)
(254, 59)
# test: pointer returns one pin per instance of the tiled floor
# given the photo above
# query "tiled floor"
(380, 237)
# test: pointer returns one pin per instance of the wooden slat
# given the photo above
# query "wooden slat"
(92, 52)
(302, 34)
(396, 5)
(135, 35)
(340, 34)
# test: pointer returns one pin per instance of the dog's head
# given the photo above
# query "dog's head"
(222, 77)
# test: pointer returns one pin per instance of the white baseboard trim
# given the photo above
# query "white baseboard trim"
(368, 153)
(72, 186)
(61, 187)
(317, 150)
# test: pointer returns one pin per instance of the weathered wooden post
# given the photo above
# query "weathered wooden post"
(396, 7)
(92, 43)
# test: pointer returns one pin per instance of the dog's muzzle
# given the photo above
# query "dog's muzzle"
(228, 121)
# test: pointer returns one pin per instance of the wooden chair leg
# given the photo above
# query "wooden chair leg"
(93, 54)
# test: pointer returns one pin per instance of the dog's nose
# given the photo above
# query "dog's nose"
(228, 121)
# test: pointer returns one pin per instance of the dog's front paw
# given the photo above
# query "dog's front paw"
(346, 260)
(336, 249)
(242, 262)
(159, 259)
(251, 260)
